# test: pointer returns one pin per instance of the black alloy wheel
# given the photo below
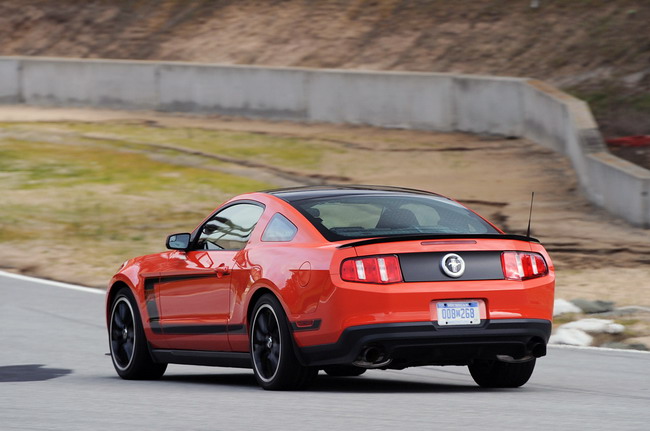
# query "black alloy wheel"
(266, 342)
(127, 342)
(272, 353)
(122, 333)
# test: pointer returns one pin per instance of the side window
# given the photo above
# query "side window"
(279, 229)
(229, 229)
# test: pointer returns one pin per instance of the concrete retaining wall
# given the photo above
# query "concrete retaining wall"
(9, 81)
(98, 83)
(234, 90)
(483, 104)
(622, 187)
(430, 101)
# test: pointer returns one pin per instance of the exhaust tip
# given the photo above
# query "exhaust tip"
(538, 350)
(372, 357)
(371, 354)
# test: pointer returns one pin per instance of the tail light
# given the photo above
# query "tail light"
(521, 265)
(372, 269)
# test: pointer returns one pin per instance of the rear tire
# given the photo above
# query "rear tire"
(498, 374)
(128, 345)
(271, 345)
(344, 370)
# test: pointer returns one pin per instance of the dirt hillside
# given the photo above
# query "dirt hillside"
(596, 49)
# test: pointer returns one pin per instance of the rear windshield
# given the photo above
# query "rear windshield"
(368, 216)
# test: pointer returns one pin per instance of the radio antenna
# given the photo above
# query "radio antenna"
(530, 214)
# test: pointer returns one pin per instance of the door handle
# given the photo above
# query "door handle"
(222, 270)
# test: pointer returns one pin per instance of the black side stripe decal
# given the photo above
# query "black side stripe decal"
(201, 329)
(170, 278)
(236, 329)
(150, 301)
(195, 329)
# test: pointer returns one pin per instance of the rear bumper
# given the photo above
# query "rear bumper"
(426, 343)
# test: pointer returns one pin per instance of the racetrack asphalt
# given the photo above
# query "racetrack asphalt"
(54, 375)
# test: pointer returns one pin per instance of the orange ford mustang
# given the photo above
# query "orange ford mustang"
(341, 279)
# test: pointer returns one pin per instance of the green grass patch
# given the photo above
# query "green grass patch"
(260, 147)
(100, 201)
(48, 165)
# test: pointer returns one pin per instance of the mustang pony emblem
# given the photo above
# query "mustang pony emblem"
(453, 265)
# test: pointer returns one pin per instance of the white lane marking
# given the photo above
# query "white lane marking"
(52, 283)
(597, 349)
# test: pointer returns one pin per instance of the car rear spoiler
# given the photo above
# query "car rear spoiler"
(398, 238)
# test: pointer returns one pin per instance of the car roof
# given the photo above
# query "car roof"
(294, 194)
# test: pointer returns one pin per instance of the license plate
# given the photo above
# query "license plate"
(458, 313)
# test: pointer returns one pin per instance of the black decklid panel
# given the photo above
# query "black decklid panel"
(479, 265)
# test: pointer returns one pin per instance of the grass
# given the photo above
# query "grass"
(99, 201)
(78, 198)
(269, 149)
(43, 164)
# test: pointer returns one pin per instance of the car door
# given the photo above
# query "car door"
(195, 286)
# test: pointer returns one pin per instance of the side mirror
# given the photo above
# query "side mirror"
(178, 241)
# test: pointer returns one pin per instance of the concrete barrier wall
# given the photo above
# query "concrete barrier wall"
(488, 105)
(414, 100)
(9, 81)
(233, 90)
(429, 101)
(546, 119)
(622, 187)
(97, 83)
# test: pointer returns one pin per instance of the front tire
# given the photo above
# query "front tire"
(271, 345)
(498, 374)
(127, 342)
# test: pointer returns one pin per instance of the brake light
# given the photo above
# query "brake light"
(372, 269)
(521, 265)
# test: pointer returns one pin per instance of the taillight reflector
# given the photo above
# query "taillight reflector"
(372, 269)
(521, 265)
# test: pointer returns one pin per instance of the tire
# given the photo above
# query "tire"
(127, 342)
(344, 371)
(272, 353)
(497, 374)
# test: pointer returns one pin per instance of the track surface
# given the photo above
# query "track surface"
(54, 375)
